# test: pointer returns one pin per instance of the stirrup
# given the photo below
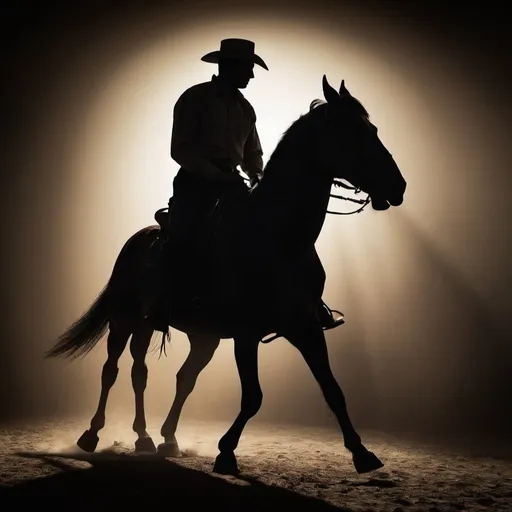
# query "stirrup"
(272, 338)
(338, 318)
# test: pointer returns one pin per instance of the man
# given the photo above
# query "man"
(214, 131)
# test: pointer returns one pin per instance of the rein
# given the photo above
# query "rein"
(338, 183)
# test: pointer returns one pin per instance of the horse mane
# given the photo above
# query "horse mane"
(295, 134)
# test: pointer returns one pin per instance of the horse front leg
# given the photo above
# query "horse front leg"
(116, 343)
(138, 348)
(201, 352)
(311, 344)
(246, 355)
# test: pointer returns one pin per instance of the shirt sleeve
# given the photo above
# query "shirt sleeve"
(185, 148)
(252, 163)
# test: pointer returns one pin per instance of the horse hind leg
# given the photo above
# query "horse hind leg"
(116, 343)
(201, 352)
(138, 348)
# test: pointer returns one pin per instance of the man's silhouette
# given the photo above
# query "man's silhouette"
(214, 131)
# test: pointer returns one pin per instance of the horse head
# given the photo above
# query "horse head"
(349, 147)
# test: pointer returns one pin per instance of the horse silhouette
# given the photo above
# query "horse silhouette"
(262, 260)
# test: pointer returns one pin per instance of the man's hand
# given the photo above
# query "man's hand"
(255, 179)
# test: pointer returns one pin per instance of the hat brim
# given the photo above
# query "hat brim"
(214, 57)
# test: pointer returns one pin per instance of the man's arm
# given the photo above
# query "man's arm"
(252, 163)
(185, 149)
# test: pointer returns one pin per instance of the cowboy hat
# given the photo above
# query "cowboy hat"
(241, 49)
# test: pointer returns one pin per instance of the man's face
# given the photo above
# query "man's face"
(244, 74)
(240, 72)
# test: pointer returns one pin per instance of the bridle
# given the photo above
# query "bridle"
(363, 202)
(340, 184)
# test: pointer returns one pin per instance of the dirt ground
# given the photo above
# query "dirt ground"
(280, 467)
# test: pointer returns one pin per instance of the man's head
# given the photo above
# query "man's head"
(236, 59)
(236, 72)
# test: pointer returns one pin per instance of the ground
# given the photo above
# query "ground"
(281, 467)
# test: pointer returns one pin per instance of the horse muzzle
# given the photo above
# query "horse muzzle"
(396, 200)
(379, 204)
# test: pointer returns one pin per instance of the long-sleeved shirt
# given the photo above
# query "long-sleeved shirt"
(213, 124)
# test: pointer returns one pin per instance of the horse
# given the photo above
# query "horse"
(264, 261)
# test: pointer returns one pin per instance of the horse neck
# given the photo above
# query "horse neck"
(292, 201)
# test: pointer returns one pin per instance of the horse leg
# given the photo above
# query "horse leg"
(246, 355)
(312, 346)
(116, 343)
(138, 348)
(201, 352)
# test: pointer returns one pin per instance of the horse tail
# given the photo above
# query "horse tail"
(83, 335)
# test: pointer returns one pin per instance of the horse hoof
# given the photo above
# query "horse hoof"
(88, 441)
(169, 450)
(145, 444)
(225, 464)
(366, 461)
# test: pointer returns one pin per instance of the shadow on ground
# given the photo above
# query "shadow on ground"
(154, 480)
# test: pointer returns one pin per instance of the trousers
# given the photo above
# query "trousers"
(193, 214)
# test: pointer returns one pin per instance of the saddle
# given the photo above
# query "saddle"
(162, 218)
(155, 258)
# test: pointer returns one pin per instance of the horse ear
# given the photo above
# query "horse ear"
(343, 89)
(330, 93)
